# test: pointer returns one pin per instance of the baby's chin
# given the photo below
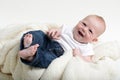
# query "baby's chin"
(80, 40)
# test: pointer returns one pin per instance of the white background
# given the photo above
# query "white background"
(61, 12)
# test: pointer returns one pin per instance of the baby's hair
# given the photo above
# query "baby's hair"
(100, 18)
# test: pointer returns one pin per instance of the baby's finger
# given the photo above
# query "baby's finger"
(50, 33)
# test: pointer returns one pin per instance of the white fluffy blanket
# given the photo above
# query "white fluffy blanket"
(106, 64)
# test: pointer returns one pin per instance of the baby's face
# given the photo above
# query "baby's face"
(87, 30)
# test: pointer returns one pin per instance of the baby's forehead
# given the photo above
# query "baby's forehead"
(94, 20)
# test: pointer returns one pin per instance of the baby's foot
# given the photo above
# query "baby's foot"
(29, 52)
(27, 40)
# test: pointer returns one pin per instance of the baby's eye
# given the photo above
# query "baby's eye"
(90, 31)
(84, 24)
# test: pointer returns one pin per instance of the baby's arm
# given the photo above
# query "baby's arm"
(54, 33)
(76, 52)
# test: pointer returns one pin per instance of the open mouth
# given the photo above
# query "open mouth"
(80, 33)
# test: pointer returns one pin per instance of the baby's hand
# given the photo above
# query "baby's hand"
(76, 52)
(54, 33)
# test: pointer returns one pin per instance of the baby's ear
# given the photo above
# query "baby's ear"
(95, 40)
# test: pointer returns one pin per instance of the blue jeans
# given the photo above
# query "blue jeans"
(47, 51)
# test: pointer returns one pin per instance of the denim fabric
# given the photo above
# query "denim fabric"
(47, 51)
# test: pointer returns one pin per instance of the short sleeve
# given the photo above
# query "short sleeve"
(88, 50)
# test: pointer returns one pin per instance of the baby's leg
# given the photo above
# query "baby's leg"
(29, 52)
(27, 40)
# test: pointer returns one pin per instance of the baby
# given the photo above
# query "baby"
(78, 38)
